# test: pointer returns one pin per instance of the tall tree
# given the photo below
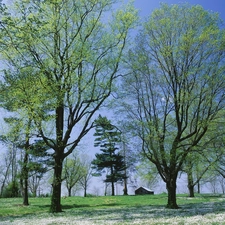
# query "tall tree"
(107, 138)
(176, 88)
(69, 57)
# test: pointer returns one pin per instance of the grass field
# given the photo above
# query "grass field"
(119, 210)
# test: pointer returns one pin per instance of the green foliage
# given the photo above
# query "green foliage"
(147, 173)
(176, 89)
(60, 62)
(74, 170)
(107, 138)
(106, 134)
(11, 190)
(40, 160)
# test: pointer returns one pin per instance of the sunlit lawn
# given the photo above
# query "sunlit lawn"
(148, 209)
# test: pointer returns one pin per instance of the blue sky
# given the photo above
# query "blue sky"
(147, 6)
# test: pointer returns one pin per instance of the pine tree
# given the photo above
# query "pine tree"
(108, 138)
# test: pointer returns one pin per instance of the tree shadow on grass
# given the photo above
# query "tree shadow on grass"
(14, 216)
(126, 213)
(74, 206)
(118, 213)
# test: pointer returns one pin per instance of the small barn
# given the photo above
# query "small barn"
(143, 191)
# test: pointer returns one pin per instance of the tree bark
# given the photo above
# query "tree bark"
(125, 190)
(56, 185)
(85, 189)
(112, 179)
(199, 188)
(113, 188)
(25, 197)
(171, 188)
(191, 191)
(191, 184)
(69, 192)
(25, 174)
(58, 160)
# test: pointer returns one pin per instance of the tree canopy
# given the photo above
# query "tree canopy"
(60, 61)
(108, 138)
(176, 89)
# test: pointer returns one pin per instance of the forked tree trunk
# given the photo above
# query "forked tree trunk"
(56, 185)
(171, 188)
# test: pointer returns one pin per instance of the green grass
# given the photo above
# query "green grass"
(113, 208)
(14, 207)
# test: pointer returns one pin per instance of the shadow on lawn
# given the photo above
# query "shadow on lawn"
(115, 213)
(74, 206)
(118, 212)
(25, 214)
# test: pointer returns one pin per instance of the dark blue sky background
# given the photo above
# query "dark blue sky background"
(147, 6)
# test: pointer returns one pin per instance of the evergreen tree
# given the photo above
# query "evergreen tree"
(40, 162)
(108, 138)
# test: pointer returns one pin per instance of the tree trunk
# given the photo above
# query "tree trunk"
(85, 190)
(105, 189)
(113, 188)
(25, 176)
(125, 191)
(190, 184)
(112, 178)
(25, 197)
(58, 160)
(171, 188)
(69, 191)
(199, 188)
(56, 185)
(191, 191)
